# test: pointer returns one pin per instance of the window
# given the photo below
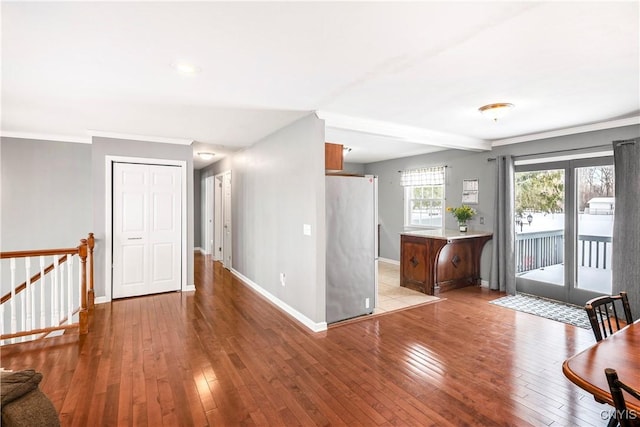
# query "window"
(423, 197)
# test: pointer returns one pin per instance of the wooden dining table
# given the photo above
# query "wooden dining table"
(620, 351)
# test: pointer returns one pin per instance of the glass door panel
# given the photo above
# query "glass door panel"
(540, 232)
(596, 205)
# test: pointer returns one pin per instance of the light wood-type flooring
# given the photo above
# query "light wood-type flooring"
(223, 356)
(391, 296)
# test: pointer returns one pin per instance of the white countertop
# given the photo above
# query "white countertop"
(445, 234)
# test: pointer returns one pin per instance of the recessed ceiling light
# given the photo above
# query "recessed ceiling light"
(496, 111)
(185, 68)
(206, 155)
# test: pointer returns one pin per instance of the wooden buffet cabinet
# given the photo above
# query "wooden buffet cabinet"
(434, 261)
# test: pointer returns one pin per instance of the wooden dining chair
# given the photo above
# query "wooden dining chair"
(603, 314)
(624, 417)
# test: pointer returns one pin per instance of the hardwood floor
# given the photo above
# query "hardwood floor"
(223, 356)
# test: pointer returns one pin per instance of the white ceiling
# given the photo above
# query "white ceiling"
(391, 79)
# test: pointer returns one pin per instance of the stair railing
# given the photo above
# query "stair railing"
(56, 298)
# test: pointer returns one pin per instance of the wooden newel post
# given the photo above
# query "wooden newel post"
(84, 315)
(91, 295)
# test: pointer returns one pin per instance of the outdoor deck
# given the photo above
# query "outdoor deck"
(589, 278)
(540, 251)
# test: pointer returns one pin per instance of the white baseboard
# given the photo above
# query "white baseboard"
(101, 300)
(202, 251)
(104, 300)
(484, 284)
(389, 261)
(313, 326)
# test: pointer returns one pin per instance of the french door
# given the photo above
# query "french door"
(564, 223)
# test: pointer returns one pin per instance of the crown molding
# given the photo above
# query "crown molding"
(47, 137)
(403, 132)
(134, 137)
(568, 131)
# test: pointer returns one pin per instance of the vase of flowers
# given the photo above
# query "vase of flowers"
(462, 214)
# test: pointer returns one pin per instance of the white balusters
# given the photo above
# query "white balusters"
(43, 320)
(79, 282)
(12, 301)
(2, 331)
(55, 304)
(70, 289)
(30, 321)
(61, 293)
(46, 303)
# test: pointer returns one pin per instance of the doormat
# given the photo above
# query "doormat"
(543, 307)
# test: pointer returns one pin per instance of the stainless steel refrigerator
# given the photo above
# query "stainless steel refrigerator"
(352, 246)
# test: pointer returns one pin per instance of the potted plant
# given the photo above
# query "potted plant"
(462, 214)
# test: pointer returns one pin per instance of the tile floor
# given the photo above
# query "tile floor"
(391, 296)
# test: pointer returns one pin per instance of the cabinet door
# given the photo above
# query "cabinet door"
(414, 264)
(333, 159)
(456, 261)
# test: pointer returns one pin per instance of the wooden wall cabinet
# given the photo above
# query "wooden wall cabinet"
(333, 159)
(434, 261)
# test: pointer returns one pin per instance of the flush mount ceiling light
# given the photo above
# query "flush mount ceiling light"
(205, 155)
(185, 68)
(496, 111)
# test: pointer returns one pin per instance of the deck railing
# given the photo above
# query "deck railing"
(544, 248)
(594, 251)
(539, 249)
(56, 298)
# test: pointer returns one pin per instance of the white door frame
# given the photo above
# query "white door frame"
(208, 215)
(108, 215)
(217, 221)
(227, 215)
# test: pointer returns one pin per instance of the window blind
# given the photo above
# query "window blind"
(422, 176)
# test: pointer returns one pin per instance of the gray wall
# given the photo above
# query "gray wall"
(353, 168)
(214, 169)
(198, 206)
(102, 147)
(45, 190)
(278, 185)
(464, 165)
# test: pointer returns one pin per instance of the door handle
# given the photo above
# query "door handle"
(134, 238)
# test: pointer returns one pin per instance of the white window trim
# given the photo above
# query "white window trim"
(407, 199)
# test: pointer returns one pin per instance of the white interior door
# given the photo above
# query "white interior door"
(226, 243)
(208, 209)
(146, 229)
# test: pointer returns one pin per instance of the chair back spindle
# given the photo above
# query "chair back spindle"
(605, 314)
(624, 416)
